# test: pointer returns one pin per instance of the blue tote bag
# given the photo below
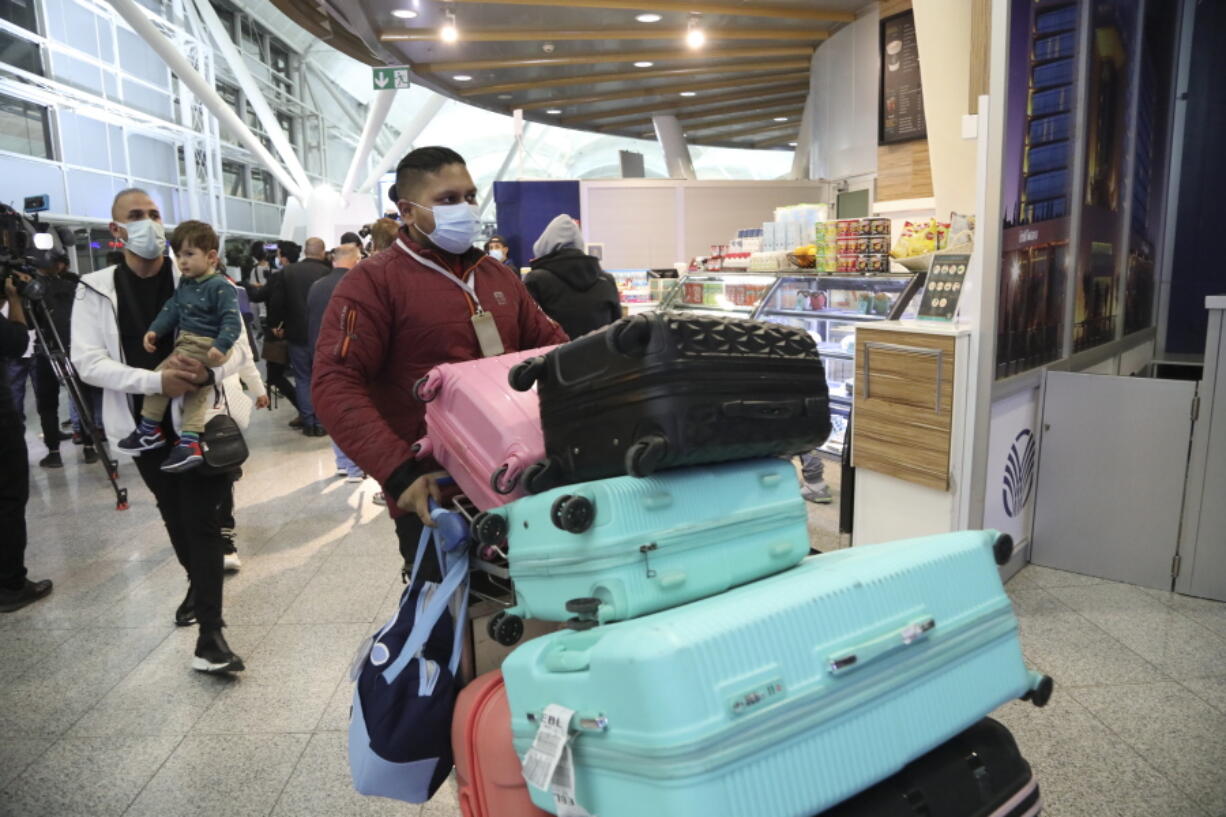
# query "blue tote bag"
(400, 723)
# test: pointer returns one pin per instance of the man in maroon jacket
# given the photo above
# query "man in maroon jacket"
(430, 298)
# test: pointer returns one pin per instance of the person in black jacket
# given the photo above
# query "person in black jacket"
(16, 591)
(569, 284)
(287, 308)
(37, 367)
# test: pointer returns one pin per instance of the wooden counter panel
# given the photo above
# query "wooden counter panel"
(904, 405)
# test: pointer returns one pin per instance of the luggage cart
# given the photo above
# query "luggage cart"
(491, 591)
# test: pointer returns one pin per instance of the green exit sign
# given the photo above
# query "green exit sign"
(391, 77)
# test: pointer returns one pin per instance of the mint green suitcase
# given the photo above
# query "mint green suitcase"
(783, 697)
(616, 548)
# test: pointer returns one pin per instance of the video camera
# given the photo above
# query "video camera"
(29, 248)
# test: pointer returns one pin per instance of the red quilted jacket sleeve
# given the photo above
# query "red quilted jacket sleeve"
(353, 343)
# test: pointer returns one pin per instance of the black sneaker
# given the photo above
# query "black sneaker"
(52, 460)
(136, 442)
(28, 593)
(213, 654)
(91, 456)
(185, 616)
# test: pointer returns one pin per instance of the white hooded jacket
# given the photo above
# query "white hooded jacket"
(98, 357)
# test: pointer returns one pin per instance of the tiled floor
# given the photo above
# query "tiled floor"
(100, 715)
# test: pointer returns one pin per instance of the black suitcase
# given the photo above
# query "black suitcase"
(980, 773)
(663, 390)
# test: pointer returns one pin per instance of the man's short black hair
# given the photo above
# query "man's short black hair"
(290, 250)
(351, 238)
(416, 165)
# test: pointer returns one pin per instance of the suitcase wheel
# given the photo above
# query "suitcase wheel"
(420, 391)
(581, 624)
(644, 456)
(506, 629)
(489, 528)
(573, 514)
(630, 336)
(500, 487)
(1002, 548)
(538, 477)
(1041, 694)
(523, 375)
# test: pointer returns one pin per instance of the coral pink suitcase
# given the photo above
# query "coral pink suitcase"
(488, 774)
(481, 431)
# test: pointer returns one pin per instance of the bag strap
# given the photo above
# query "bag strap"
(456, 576)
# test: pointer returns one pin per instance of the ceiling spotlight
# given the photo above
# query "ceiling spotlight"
(695, 37)
(553, 111)
(777, 118)
(462, 78)
(689, 93)
(791, 144)
(548, 48)
(404, 14)
(644, 64)
(649, 18)
(449, 33)
(505, 96)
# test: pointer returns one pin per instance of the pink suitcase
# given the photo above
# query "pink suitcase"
(482, 432)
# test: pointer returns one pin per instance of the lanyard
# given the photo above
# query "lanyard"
(471, 289)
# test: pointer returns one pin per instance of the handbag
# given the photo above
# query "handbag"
(406, 674)
(276, 351)
(221, 442)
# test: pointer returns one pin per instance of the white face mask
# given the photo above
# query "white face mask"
(499, 254)
(455, 226)
(146, 238)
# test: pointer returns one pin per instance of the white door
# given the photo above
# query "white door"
(1112, 464)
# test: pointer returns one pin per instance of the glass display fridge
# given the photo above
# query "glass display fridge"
(733, 293)
(829, 307)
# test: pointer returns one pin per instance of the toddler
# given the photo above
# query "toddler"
(205, 311)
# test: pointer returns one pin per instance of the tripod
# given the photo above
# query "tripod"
(52, 346)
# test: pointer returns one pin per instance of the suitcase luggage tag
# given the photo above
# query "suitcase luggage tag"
(549, 764)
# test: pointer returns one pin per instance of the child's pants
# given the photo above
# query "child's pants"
(195, 404)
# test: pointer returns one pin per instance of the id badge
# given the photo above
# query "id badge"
(487, 334)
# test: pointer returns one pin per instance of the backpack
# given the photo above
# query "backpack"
(406, 673)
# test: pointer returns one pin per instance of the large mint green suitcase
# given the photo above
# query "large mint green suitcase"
(617, 548)
(783, 697)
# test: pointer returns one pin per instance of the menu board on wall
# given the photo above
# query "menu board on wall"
(901, 117)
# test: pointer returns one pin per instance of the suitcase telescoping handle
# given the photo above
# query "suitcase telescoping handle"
(845, 661)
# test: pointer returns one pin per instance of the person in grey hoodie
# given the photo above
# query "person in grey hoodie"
(568, 283)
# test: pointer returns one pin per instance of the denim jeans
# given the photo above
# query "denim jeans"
(300, 357)
(343, 463)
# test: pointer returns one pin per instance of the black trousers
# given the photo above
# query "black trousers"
(188, 504)
(277, 376)
(14, 493)
(46, 394)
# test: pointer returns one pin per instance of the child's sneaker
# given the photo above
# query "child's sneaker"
(142, 439)
(184, 457)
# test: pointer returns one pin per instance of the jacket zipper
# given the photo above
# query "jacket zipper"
(705, 754)
(628, 552)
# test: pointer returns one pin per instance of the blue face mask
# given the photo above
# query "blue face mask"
(455, 226)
